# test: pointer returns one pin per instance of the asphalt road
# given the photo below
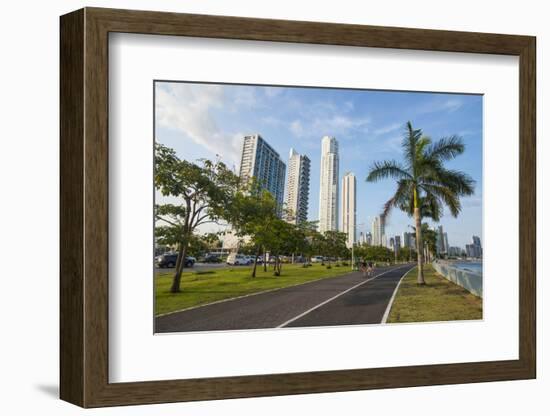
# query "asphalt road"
(342, 300)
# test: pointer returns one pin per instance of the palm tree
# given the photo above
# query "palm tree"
(424, 185)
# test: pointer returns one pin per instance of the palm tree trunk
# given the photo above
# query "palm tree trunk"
(419, 247)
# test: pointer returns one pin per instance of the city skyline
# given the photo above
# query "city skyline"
(205, 120)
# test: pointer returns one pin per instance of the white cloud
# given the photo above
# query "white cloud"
(320, 118)
(296, 128)
(187, 108)
(340, 125)
(272, 92)
(388, 129)
(245, 96)
(449, 106)
(452, 104)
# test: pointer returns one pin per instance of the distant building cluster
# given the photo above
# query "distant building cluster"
(260, 160)
(474, 249)
(337, 199)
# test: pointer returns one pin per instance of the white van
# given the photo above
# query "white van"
(235, 259)
(317, 259)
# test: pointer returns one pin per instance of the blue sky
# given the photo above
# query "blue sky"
(205, 120)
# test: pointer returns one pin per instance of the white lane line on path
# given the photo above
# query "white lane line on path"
(334, 297)
(390, 303)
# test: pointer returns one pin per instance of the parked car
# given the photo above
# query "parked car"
(317, 259)
(169, 260)
(238, 260)
(211, 258)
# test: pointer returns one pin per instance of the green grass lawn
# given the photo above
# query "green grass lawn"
(198, 288)
(438, 300)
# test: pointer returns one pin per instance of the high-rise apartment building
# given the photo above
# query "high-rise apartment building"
(349, 207)
(379, 231)
(397, 243)
(408, 239)
(297, 193)
(261, 161)
(368, 239)
(328, 195)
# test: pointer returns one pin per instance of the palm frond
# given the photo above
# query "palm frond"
(446, 148)
(401, 197)
(410, 138)
(446, 195)
(457, 181)
(387, 169)
(430, 207)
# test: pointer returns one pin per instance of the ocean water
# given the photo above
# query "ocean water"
(476, 267)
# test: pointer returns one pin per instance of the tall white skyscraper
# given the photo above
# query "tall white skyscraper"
(260, 160)
(379, 231)
(441, 240)
(349, 207)
(328, 195)
(297, 194)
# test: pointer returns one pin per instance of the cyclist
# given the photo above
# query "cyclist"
(364, 268)
(370, 268)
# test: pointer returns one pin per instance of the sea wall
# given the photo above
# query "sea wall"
(471, 281)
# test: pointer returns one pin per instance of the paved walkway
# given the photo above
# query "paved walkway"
(341, 300)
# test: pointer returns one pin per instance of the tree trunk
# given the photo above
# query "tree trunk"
(419, 247)
(265, 261)
(255, 261)
(179, 268)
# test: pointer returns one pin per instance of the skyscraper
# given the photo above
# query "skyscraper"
(297, 193)
(378, 231)
(474, 250)
(261, 161)
(397, 243)
(408, 239)
(368, 239)
(328, 195)
(349, 207)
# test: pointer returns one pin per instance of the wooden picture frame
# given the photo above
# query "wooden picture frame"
(84, 207)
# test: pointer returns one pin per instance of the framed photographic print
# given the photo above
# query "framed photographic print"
(255, 207)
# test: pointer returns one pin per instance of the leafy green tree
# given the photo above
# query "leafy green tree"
(406, 254)
(334, 245)
(205, 190)
(374, 253)
(283, 239)
(424, 185)
(254, 212)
